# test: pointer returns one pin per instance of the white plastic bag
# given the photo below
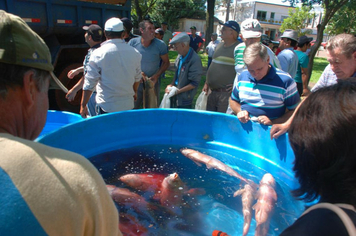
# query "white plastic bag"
(201, 101)
(166, 102)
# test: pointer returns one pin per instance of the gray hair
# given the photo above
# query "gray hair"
(11, 76)
(253, 51)
(345, 42)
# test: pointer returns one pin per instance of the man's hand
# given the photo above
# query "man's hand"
(71, 95)
(243, 116)
(278, 129)
(84, 111)
(206, 88)
(306, 92)
(72, 73)
(264, 120)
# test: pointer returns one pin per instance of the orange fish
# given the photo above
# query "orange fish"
(143, 182)
(266, 199)
(130, 226)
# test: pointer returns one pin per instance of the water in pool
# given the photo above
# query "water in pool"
(207, 202)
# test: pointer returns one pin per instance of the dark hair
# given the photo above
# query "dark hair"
(300, 45)
(141, 25)
(322, 136)
(293, 43)
(112, 35)
(11, 76)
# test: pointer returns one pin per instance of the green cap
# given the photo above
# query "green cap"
(20, 45)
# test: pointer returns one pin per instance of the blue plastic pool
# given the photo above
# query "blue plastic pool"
(223, 135)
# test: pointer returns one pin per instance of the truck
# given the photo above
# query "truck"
(60, 24)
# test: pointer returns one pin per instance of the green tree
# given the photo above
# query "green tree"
(343, 21)
(330, 8)
(141, 9)
(171, 11)
(297, 20)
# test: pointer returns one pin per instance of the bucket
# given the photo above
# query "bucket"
(186, 128)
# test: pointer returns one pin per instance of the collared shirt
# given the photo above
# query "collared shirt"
(114, 68)
(327, 78)
(211, 47)
(194, 42)
(289, 61)
(87, 57)
(269, 96)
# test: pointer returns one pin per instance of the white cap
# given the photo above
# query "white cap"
(251, 28)
(114, 25)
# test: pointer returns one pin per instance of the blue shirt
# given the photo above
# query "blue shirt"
(289, 61)
(151, 55)
(269, 96)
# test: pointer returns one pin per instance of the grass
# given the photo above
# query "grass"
(319, 65)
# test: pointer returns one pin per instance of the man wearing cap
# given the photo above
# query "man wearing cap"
(93, 37)
(196, 42)
(114, 70)
(287, 57)
(210, 49)
(167, 33)
(188, 73)
(153, 51)
(159, 33)
(45, 190)
(221, 73)
(301, 78)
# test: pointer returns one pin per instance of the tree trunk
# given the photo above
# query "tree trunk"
(227, 10)
(209, 21)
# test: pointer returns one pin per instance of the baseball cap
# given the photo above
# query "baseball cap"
(159, 31)
(20, 45)
(251, 28)
(127, 23)
(304, 39)
(164, 23)
(233, 25)
(95, 31)
(291, 34)
(193, 27)
(114, 24)
(180, 38)
(214, 34)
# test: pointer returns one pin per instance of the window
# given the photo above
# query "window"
(261, 15)
(284, 17)
(272, 15)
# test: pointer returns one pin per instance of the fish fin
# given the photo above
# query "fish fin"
(239, 192)
(198, 163)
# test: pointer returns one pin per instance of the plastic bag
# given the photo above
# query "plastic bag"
(166, 102)
(201, 101)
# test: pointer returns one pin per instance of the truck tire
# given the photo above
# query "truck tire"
(60, 96)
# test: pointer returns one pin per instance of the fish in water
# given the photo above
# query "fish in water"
(149, 93)
(247, 198)
(266, 198)
(144, 182)
(130, 226)
(212, 163)
(124, 196)
(173, 190)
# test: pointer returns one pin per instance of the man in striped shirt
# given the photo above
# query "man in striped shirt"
(263, 91)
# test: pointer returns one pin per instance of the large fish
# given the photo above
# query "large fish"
(143, 182)
(247, 198)
(125, 197)
(172, 193)
(212, 163)
(266, 198)
(149, 93)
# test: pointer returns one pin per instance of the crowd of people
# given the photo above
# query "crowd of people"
(243, 79)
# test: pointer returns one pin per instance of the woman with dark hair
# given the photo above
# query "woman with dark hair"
(322, 136)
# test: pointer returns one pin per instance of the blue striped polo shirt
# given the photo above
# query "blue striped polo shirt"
(269, 96)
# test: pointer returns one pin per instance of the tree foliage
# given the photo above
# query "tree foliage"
(330, 8)
(141, 9)
(297, 20)
(343, 21)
